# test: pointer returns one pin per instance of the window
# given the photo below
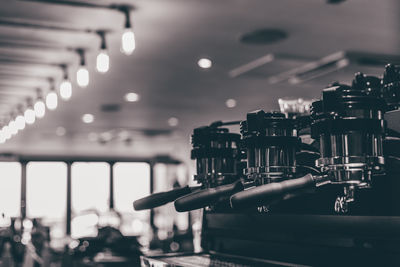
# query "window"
(131, 181)
(90, 185)
(10, 189)
(46, 194)
(46, 190)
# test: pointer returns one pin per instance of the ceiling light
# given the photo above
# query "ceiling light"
(12, 126)
(52, 99)
(82, 75)
(92, 137)
(128, 43)
(173, 121)
(106, 137)
(230, 103)
(20, 121)
(131, 97)
(29, 113)
(87, 118)
(2, 138)
(29, 116)
(60, 131)
(65, 86)
(39, 108)
(204, 63)
(102, 60)
(65, 90)
(6, 132)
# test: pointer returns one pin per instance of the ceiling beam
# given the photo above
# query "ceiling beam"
(48, 26)
(36, 46)
(30, 62)
(85, 4)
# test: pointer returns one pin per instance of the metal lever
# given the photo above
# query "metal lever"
(159, 199)
(257, 196)
(206, 197)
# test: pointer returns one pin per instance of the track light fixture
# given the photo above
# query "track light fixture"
(2, 136)
(82, 75)
(39, 107)
(29, 114)
(65, 85)
(102, 59)
(32, 109)
(128, 43)
(51, 98)
(12, 125)
(6, 132)
(20, 119)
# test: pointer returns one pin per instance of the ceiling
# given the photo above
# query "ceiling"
(171, 35)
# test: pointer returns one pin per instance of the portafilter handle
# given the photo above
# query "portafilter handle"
(206, 197)
(257, 196)
(162, 198)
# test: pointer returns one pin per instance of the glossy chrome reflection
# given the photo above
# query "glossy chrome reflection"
(271, 142)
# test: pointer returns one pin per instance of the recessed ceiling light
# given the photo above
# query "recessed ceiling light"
(204, 63)
(106, 136)
(92, 137)
(230, 103)
(87, 118)
(60, 131)
(131, 97)
(173, 121)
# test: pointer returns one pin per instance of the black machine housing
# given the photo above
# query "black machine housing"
(328, 226)
(271, 144)
(353, 219)
(216, 152)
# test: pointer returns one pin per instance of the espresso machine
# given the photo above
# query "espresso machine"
(334, 201)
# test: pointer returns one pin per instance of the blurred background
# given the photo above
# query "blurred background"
(98, 99)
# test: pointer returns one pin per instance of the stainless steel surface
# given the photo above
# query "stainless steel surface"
(269, 161)
(351, 157)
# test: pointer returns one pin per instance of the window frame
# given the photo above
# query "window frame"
(69, 161)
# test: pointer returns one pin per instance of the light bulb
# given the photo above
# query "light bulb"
(6, 132)
(204, 63)
(82, 77)
(40, 109)
(65, 90)
(102, 61)
(13, 127)
(2, 137)
(20, 121)
(30, 116)
(132, 97)
(128, 41)
(51, 100)
(87, 118)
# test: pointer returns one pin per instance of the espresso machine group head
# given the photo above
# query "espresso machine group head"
(271, 144)
(348, 131)
(218, 163)
(215, 151)
(218, 158)
(348, 123)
